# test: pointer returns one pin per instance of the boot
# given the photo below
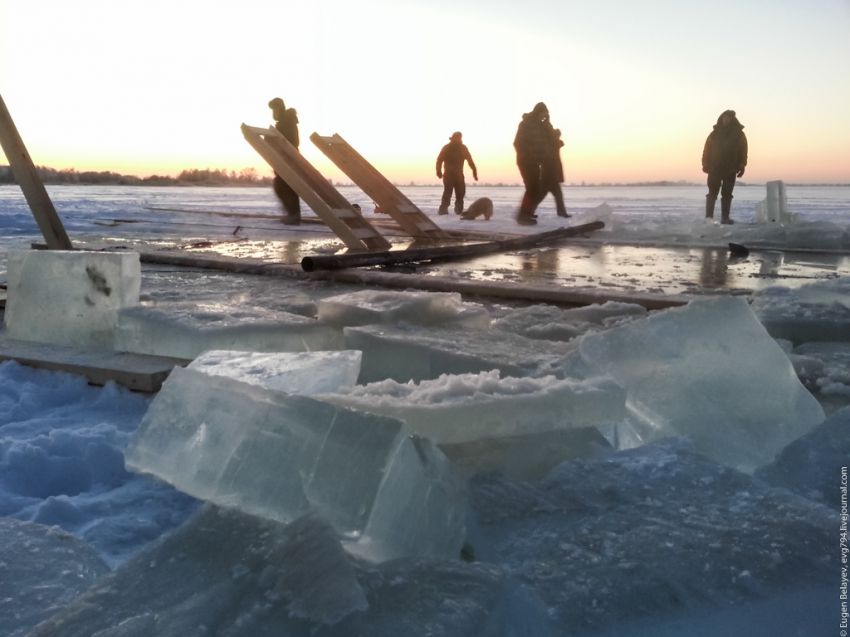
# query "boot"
(709, 207)
(725, 208)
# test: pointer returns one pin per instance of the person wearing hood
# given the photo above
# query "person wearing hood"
(724, 158)
(535, 154)
(450, 170)
(286, 122)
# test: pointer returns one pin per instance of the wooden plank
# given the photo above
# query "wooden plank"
(314, 189)
(139, 372)
(443, 253)
(390, 199)
(34, 192)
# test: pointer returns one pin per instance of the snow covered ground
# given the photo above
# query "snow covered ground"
(643, 524)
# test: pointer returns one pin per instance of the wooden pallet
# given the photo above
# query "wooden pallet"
(140, 372)
(325, 200)
(389, 198)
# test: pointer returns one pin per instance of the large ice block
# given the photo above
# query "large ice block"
(710, 372)
(278, 456)
(186, 330)
(369, 307)
(407, 352)
(467, 407)
(304, 373)
(69, 297)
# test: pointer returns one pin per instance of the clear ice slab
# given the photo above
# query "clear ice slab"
(710, 372)
(69, 297)
(406, 352)
(276, 455)
(303, 373)
(185, 330)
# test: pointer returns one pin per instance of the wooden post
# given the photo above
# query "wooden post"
(33, 188)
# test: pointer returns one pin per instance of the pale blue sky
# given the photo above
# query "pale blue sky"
(159, 86)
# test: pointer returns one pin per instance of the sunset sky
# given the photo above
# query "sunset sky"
(155, 86)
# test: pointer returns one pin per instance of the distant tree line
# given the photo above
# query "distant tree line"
(194, 177)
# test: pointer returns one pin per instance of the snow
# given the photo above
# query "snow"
(578, 532)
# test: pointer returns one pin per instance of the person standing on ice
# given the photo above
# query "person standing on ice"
(724, 158)
(286, 121)
(534, 144)
(450, 170)
(553, 173)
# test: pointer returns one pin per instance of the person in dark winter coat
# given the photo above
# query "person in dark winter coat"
(553, 174)
(286, 121)
(536, 158)
(724, 158)
(450, 170)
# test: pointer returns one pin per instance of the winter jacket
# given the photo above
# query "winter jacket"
(533, 141)
(725, 151)
(288, 126)
(452, 156)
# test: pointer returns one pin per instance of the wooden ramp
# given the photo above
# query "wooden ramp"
(390, 199)
(325, 200)
(139, 372)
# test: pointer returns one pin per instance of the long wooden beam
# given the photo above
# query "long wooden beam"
(25, 174)
(442, 253)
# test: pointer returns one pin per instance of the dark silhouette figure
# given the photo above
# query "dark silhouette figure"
(450, 169)
(538, 159)
(553, 173)
(286, 121)
(724, 158)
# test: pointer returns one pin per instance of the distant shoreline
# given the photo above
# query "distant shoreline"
(248, 179)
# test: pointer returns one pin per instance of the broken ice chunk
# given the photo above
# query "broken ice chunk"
(304, 373)
(277, 456)
(708, 371)
(467, 407)
(222, 573)
(368, 307)
(558, 324)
